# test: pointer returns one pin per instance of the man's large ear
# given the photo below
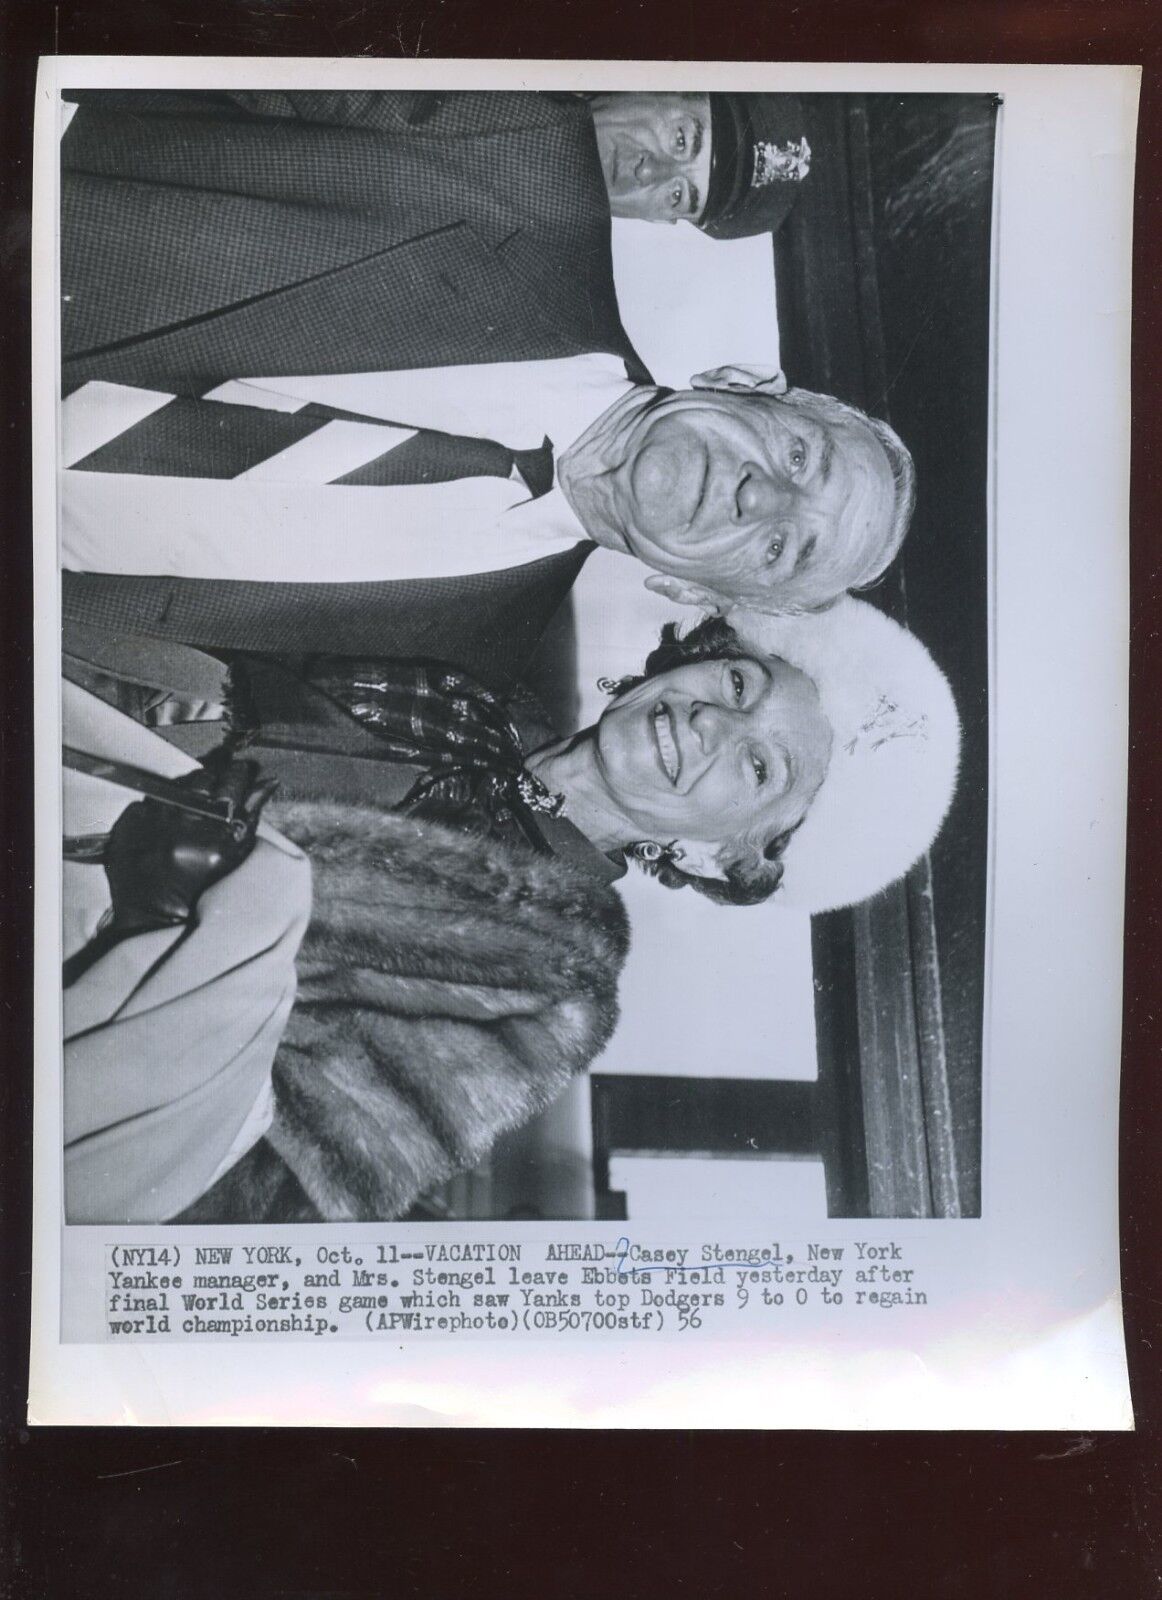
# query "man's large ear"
(741, 380)
(684, 593)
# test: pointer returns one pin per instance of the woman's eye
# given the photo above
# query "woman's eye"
(680, 141)
(775, 549)
(737, 684)
(676, 194)
(760, 769)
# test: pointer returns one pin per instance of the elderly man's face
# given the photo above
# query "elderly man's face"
(740, 495)
(655, 153)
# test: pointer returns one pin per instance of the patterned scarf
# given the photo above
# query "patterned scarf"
(436, 717)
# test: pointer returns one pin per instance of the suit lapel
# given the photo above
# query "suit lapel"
(442, 300)
(488, 623)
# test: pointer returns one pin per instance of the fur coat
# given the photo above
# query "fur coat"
(449, 988)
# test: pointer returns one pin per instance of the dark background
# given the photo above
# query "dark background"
(368, 1513)
(883, 279)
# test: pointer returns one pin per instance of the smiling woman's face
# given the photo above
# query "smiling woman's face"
(715, 751)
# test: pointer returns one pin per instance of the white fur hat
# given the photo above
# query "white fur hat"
(894, 756)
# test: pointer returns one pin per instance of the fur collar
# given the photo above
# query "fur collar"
(449, 987)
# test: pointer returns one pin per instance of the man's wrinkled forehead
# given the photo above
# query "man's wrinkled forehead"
(767, 414)
(845, 525)
(844, 439)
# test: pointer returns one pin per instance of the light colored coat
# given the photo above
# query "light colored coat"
(169, 1039)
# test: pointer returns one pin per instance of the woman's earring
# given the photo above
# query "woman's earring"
(650, 853)
(608, 685)
(647, 851)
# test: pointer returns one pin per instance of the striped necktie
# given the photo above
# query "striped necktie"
(184, 437)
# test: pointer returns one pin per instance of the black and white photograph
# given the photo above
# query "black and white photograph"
(484, 515)
(583, 785)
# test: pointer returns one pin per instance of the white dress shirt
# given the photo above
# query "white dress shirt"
(282, 521)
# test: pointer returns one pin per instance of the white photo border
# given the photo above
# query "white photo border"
(1028, 1332)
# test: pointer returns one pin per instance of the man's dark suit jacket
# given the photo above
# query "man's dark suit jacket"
(208, 237)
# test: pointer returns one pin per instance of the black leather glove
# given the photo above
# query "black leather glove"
(160, 860)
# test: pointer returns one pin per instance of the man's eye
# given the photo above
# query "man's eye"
(797, 456)
(774, 549)
(760, 769)
(677, 194)
(680, 141)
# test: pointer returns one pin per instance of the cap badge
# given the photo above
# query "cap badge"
(780, 163)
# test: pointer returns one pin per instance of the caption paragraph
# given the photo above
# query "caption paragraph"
(192, 1291)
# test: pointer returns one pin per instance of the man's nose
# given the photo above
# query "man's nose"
(758, 494)
(652, 167)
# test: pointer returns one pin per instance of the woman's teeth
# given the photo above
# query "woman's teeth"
(667, 749)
